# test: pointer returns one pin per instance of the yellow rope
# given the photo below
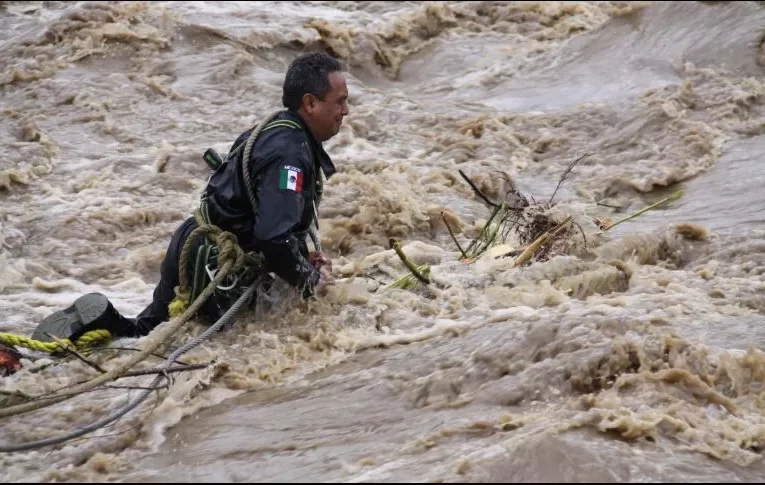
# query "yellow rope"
(89, 339)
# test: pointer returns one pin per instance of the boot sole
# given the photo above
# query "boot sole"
(65, 323)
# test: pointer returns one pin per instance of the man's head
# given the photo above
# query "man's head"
(314, 87)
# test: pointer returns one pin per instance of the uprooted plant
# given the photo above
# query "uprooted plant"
(537, 228)
(540, 229)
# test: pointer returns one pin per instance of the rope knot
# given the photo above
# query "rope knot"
(229, 253)
(229, 250)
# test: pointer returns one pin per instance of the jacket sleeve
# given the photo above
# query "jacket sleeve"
(280, 190)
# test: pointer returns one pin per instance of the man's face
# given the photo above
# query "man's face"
(326, 116)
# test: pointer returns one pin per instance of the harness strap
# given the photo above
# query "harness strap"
(273, 124)
(204, 210)
(198, 280)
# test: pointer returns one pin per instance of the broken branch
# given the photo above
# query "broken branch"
(137, 373)
(68, 349)
(410, 266)
(169, 370)
(670, 198)
(472, 249)
(477, 190)
(451, 233)
(565, 174)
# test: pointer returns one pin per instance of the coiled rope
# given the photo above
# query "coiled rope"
(90, 339)
(228, 250)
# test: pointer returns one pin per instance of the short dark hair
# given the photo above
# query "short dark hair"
(308, 73)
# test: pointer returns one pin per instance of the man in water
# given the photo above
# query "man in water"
(286, 164)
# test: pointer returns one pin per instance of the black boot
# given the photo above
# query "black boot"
(88, 312)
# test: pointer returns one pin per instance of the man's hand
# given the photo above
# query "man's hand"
(320, 259)
(323, 264)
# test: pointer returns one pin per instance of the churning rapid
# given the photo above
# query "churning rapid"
(634, 355)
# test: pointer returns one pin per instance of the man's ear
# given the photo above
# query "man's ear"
(309, 103)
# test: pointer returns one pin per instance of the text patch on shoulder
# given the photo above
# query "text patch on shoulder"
(291, 178)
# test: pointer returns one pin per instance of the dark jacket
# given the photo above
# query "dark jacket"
(284, 170)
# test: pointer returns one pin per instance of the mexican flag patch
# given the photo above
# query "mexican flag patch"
(291, 178)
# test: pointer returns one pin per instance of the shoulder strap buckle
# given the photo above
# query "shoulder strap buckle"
(212, 159)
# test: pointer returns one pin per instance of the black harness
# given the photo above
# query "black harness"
(205, 264)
